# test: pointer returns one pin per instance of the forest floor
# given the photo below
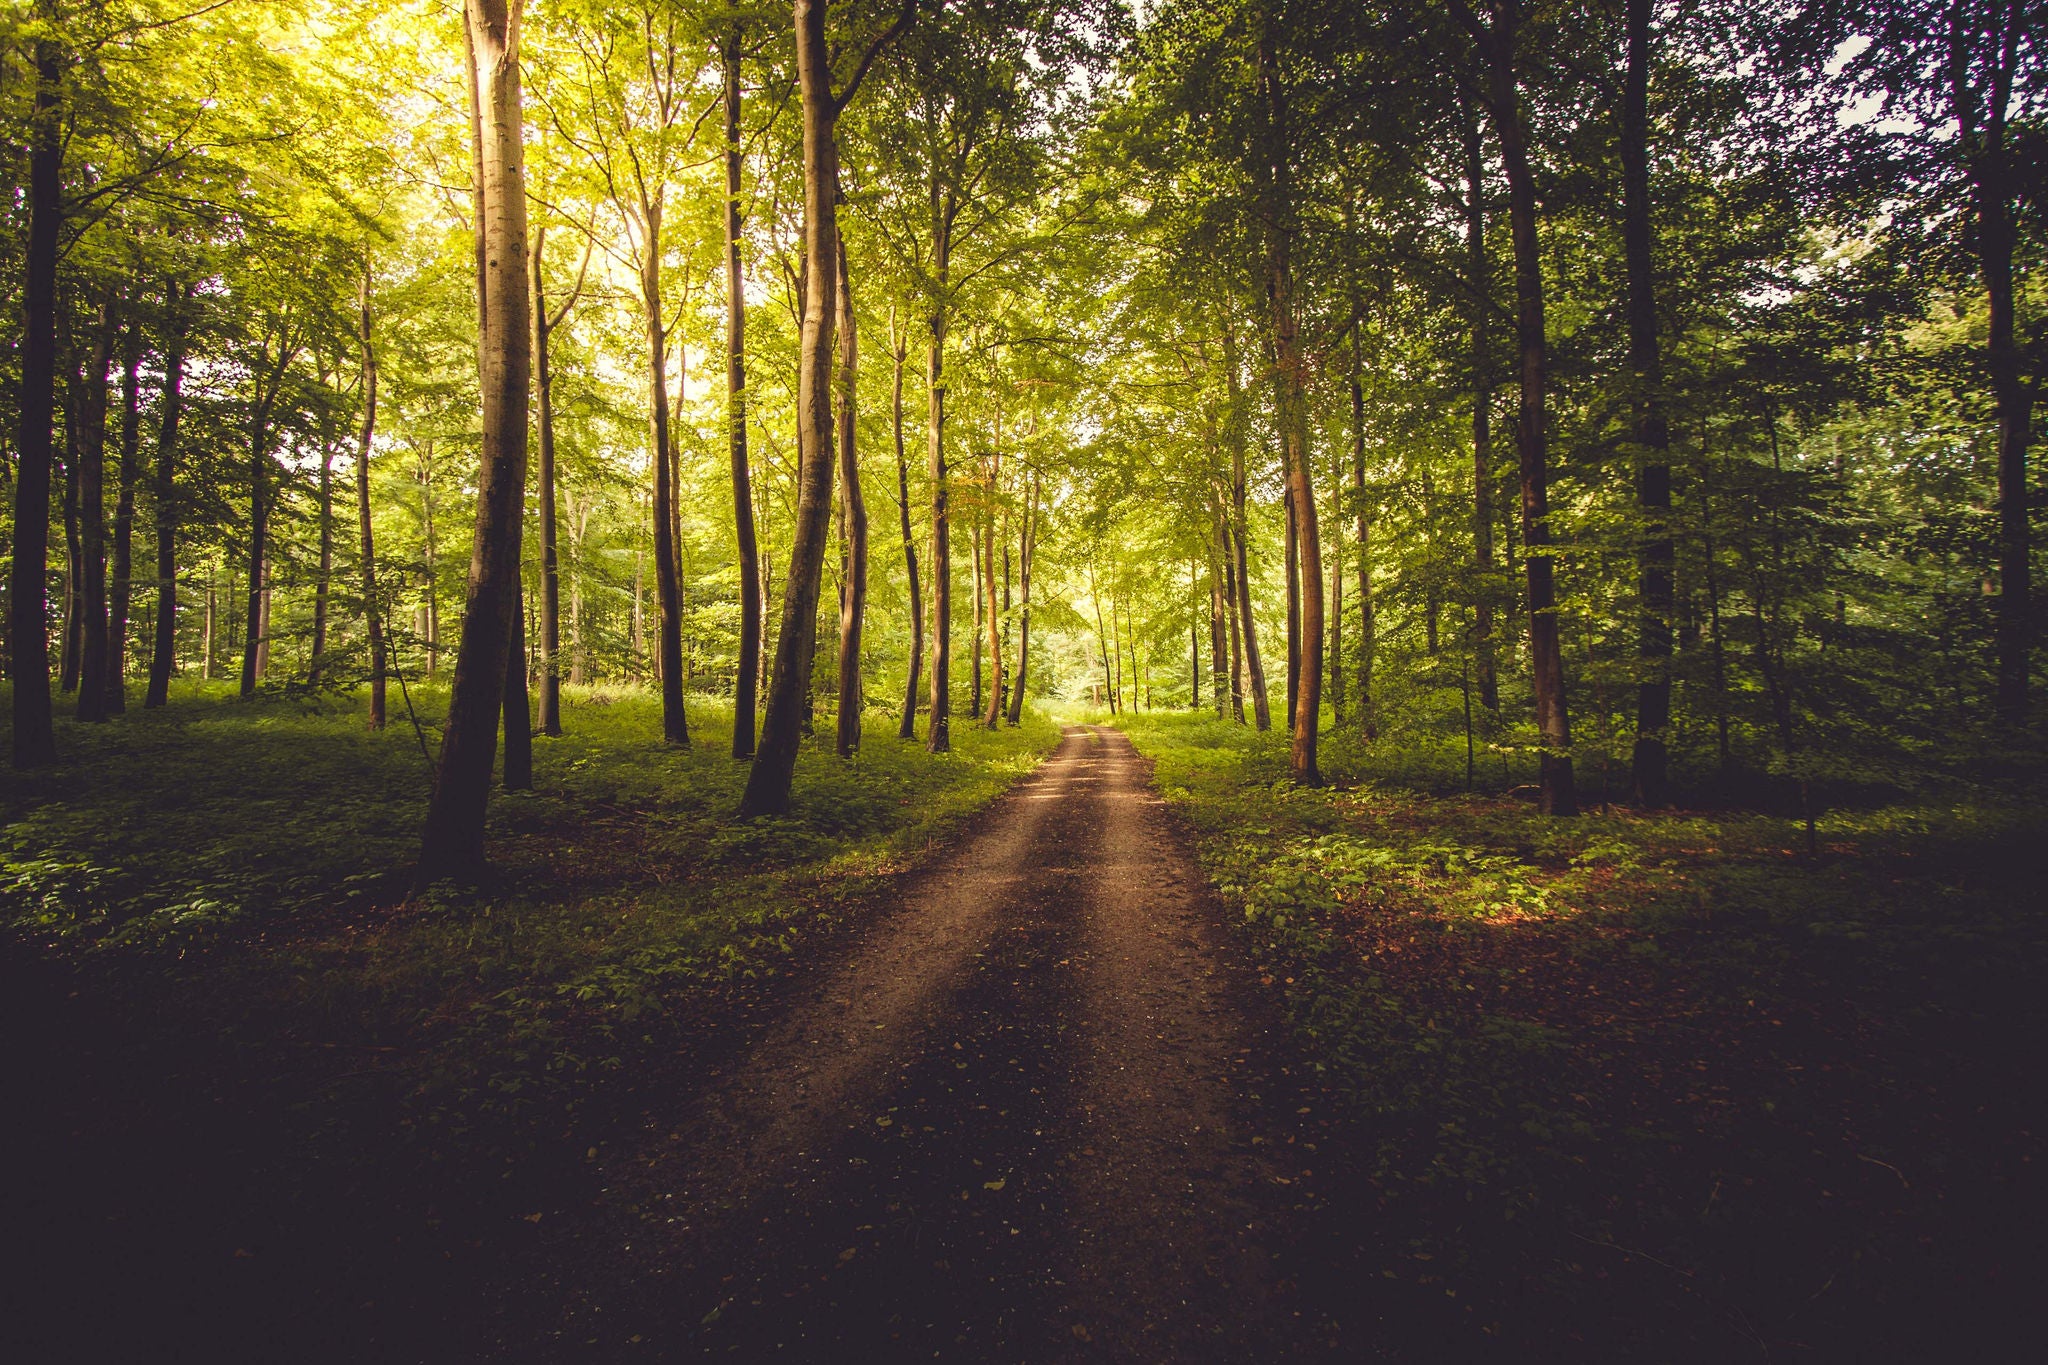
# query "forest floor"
(983, 1058)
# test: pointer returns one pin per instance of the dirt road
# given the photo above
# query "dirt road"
(1024, 1116)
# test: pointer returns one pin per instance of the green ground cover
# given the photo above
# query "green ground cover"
(245, 867)
(1660, 1083)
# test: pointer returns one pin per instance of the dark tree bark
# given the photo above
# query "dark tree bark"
(1219, 650)
(1233, 600)
(163, 654)
(544, 325)
(747, 678)
(675, 725)
(1503, 97)
(1254, 668)
(854, 524)
(267, 379)
(1480, 287)
(373, 618)
(1027, 548)
(1291, 550)
(320, 588)
(1650, 763)
(518, 720)
(768, 781)
(28, 629)
(993, 716)
(906, 728)
(453, 844)
(939, 738)
(91, 593)
(124, 522)
(1292, 414)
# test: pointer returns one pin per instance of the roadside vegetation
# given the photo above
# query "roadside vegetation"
(1638, 1078)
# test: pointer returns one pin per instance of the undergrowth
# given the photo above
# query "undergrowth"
(1768, 1091)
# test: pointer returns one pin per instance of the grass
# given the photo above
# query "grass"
(1649, 1086)
(244, 867)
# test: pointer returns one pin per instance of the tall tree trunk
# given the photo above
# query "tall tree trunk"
(768, 782)
(1292, 415)
(453, 844)
(1027, 547)
(1254, 668)
(675, 726)
(320, 588)
(993, 716)
(1557, 794)
(745, 680)
(1219, 650)
(1479, 286)
(544, 324)
(92, 523)
(259, 537)
(980, 601)
(372, 612)
(1336, 660)
(1361, 534)
(906, 728)
(518, 767)
(1650, 763)
(124, 521)
(940, 736)
(28, 611)
(74, 572)
(164, 652)
(1292, 549)
(1233, 599)
(854, 592)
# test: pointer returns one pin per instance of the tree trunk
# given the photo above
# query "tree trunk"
(1361, 535)
(453, 845)
(745, 681)
(1558, 797)
(1293, 557)
(164, 652)
(980, 602)
(259, 535)
(1292, 415)
(1650, 763)
(124, 523)
(550, 558)
(1480, 287)
(1336, 659)
(854, 591)
(675, 726)
(993, 716)
(1254, 668)
(1026, 548)
(518, 720)
(1219, 650)
(320, 588)
(768, 782)
(940, 737)
(74, 573)
(372, 614)
(92, 524)
(28, 611)
(898, 347)
(1232, 613)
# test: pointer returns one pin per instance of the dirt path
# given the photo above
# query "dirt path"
(1019, 1119)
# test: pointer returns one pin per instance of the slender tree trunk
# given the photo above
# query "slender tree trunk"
(898, 348)
(1336, 660)
(1101, 639)
(1254, 668)
(675, 726)
(975, 530)
(1292, 415)
(206, 634)
(74, 571)
(164, 653)
(768, 782)
(518, 720)
(1027, 547)
(1558, 796)
(1368, 640)
(1293, 557)
(854, 592)
(1233, 612)
(940, 737)
(92, 523)
(320, 588)
(993, 716)
(453, 845)
(1650, 764)
(1479, 285)
(746, 679)
(373, 618)
(124, 522)
(28, 629)
(259, 537)
(1219, 650)
(550, 558)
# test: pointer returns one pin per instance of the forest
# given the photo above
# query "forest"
(1024, 680)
